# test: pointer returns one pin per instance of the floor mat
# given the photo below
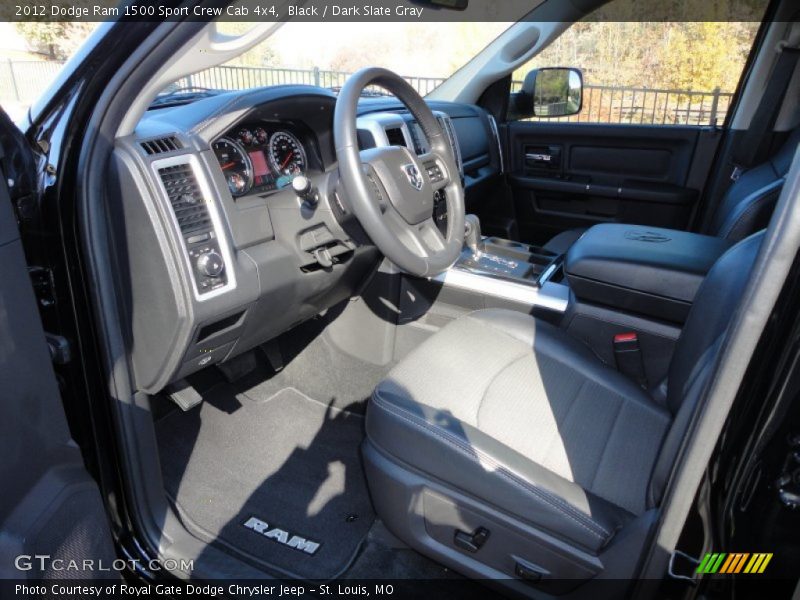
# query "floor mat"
(322, 371)
(270, 478)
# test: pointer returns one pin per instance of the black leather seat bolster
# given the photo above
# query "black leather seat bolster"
(752, 213)
(473, 462)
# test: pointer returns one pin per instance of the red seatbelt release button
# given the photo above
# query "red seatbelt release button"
(627, 337)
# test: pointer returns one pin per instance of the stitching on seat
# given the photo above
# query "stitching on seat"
(557, 503)
(620, 408)
(642, 402)
(522, 356)
(560, 422)
(502, 331)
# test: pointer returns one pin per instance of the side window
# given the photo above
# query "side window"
(652, 73)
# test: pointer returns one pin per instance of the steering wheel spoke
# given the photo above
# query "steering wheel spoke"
(423, 239)
(407, 236)
(430, 237)
(375, 188)
(435, 170)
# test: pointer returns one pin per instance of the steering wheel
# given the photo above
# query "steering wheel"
(389, 188)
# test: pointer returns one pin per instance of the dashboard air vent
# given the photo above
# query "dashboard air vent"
(186, 199)
(395, 136)
(161, 145)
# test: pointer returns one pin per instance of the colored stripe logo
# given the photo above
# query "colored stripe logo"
(734, 562)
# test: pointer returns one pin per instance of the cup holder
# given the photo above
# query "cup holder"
(507, 243)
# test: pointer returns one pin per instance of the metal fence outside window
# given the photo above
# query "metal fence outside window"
(22, 81)
(648, 106)
(237, 78)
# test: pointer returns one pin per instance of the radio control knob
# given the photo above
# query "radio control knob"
(210, 264)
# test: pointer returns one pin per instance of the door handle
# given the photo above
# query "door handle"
(538, 157)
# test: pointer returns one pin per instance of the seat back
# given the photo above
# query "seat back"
(748, 204)
(698, 346)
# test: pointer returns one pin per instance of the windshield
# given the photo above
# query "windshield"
(306, 53)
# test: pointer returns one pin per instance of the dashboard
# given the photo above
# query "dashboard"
(217, 253)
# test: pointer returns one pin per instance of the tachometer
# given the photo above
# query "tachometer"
(236, 165)
(286, 154)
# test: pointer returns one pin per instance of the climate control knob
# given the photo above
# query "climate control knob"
(210, 264)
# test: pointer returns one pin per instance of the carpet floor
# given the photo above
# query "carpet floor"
(279, 457)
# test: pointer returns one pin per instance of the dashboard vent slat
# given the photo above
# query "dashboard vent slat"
(161, 145)
(418, 138)
(186, 199)
(447, 126)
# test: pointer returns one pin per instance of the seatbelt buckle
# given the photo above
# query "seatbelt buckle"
(736, 173)
(628, 357)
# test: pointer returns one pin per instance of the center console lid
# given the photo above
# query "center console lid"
(647, 270)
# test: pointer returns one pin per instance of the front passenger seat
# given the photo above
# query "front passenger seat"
(504, 448)
(746, 207)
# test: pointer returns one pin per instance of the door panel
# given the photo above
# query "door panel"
(49, 505)
(568, 175)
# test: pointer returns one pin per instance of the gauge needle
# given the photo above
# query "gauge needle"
(228, 165)
(286, 160)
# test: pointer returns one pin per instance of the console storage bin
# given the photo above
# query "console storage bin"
(646, 270)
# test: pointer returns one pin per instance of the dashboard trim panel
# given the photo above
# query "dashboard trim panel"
(552, 296)
(216, 221)
(496, 133)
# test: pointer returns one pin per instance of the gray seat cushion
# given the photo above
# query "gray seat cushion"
(513, 411)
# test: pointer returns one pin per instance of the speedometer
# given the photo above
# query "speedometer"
(286, 154)
(236, 165)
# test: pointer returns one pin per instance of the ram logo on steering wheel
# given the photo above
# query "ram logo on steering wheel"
(414, 176)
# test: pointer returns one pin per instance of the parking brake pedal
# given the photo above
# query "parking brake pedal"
(471, 542)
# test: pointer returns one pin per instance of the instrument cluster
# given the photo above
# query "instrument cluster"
(260, 158)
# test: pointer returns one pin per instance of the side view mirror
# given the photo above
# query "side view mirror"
(446, 4)
(550, 92)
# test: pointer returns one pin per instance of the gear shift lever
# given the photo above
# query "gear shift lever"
(472, 234)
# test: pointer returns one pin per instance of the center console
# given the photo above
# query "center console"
(490, 273)
(648, 271)
(509, 260)
(508, 274)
